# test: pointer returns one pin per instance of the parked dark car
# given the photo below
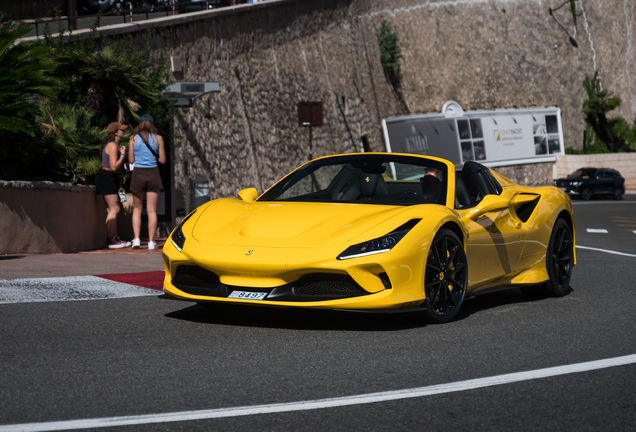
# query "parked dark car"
(588, 182)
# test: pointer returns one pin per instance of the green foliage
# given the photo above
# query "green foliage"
(605, 134)
(72, 145)
(101, 83)
(390, 46)
(573, 9)
(23, 80)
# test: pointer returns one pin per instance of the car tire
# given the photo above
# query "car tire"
(445, 278)
(559, 259)
(618, 193)
(586, 194)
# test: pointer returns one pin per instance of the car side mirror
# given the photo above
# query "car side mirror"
(248, 195)
(490, 203)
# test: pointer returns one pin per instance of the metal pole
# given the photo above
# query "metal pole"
(185, 175)
(311, 149)
(131, 12)
(171, 150)
(174, 7)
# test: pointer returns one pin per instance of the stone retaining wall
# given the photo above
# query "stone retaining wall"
(268, 56)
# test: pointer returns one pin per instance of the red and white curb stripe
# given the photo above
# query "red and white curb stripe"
(81, 287)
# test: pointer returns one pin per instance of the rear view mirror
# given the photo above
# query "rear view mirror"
(248, 195)
(490, 203)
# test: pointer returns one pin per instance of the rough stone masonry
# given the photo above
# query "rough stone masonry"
(268, 56)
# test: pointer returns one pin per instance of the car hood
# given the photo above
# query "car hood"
(285, 224)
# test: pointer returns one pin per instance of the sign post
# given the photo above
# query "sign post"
(309, 115)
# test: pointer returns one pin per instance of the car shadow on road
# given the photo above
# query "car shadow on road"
(314, 319)
(11, 257)
(501, 298)
(292, 319)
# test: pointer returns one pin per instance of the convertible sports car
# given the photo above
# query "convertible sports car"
(380, 232)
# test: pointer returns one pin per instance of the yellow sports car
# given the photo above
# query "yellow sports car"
(380, 232)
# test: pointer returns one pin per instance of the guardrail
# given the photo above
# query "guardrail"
(131, 14)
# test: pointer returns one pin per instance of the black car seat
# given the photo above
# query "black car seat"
(345, 186)
(461, 192)
(479, 182)
(372, 184)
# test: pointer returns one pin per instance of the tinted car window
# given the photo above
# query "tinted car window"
(583, 173)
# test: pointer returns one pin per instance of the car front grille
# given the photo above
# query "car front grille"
(327, 285)
(196, 280)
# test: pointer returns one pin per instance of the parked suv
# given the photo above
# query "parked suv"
(587, 182)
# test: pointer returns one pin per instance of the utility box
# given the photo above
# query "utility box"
(200, 192)
(309, 114)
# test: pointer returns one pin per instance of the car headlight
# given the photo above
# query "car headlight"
(372, 247)
(178, 239)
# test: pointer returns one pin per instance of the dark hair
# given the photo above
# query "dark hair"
(109, 138)
(145, 128)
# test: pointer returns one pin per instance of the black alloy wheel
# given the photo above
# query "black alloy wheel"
(559, 259)
(445, 277)
(586, 194)
(617, 193)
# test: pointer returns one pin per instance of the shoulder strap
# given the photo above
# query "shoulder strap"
(149, 148)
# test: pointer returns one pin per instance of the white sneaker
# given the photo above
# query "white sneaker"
(152, 245)
(136, 243)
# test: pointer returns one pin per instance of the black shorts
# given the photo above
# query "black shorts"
(106, 182)
(146, 180)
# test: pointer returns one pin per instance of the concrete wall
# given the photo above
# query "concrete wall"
(625, 163)
(46, 217)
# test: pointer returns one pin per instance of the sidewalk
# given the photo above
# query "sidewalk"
(96, 262)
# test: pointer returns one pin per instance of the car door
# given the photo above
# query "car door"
(494, 244)
(495, 240)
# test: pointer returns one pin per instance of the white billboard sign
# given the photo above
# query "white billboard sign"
(493, 138)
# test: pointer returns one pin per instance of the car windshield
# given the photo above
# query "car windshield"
(368, 179)
(583, 173)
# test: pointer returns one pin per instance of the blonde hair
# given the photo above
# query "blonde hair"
(145, 128)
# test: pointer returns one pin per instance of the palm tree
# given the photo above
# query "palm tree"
(109, 81)
(23, 80)
(72, 145)
(598, 104)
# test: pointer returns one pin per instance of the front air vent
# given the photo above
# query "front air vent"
(198, 281)
(330, 286)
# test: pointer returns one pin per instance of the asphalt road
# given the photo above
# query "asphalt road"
(150, 356)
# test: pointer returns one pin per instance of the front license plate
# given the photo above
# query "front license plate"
(248, 295)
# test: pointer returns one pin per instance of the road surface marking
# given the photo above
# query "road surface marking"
(67, 289)
(605, 250)
(322, 403)
(597, 230)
